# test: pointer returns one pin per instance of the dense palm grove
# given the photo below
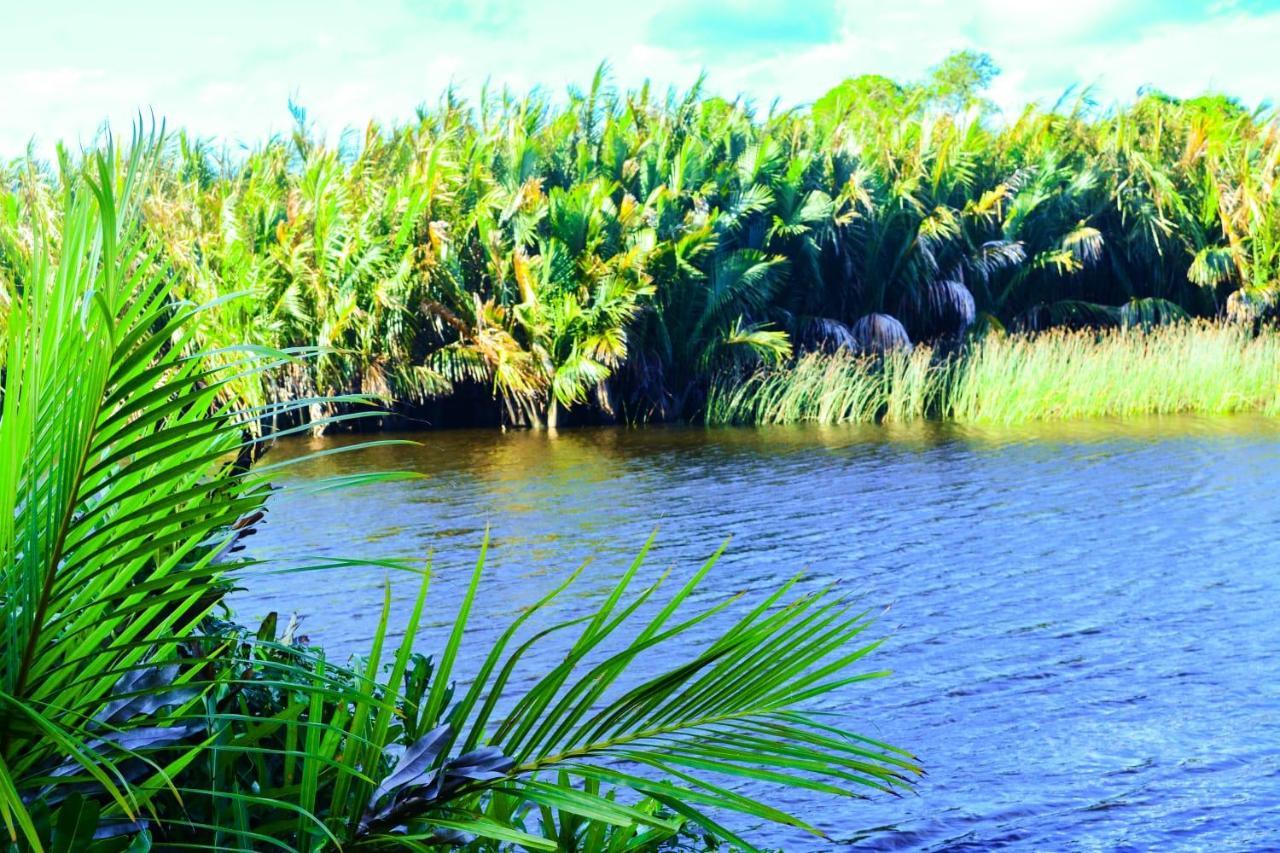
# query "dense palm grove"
(611, 253)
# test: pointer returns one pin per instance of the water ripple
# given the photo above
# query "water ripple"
(1084, 637)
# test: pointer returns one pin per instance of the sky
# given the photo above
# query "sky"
(227, 69)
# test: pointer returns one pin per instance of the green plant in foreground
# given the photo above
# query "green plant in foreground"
(132, 718)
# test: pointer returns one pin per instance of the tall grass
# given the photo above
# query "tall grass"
(1201, 368)
(829, 389)
(1197, 367)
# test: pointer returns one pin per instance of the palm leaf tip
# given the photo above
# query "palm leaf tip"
(725, 711)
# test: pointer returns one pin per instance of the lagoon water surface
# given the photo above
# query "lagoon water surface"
(1082, 619)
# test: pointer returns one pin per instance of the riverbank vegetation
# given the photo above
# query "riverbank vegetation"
(134, 715)
(1194, 368)
(610, 254)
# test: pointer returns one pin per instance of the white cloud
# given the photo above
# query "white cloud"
(1042, 48)
(1016, 20)
(1234, 53)
(232, 74)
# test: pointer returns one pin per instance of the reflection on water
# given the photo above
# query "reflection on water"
(1083, 616)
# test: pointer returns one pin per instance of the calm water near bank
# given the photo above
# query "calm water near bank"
(1082, 618)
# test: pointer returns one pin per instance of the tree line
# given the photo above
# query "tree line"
(610, 254)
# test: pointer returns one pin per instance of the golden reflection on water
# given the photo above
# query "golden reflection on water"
(574, 459)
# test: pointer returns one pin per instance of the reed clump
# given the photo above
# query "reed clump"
(1200, 367)
(831, 388)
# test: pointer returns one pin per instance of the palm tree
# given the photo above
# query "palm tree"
(581, 290)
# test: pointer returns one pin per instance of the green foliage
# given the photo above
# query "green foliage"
(959, 80)
(611, 252)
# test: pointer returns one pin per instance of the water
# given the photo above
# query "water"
(1082, 618)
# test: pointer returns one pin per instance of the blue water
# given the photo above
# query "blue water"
(1082, 619)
